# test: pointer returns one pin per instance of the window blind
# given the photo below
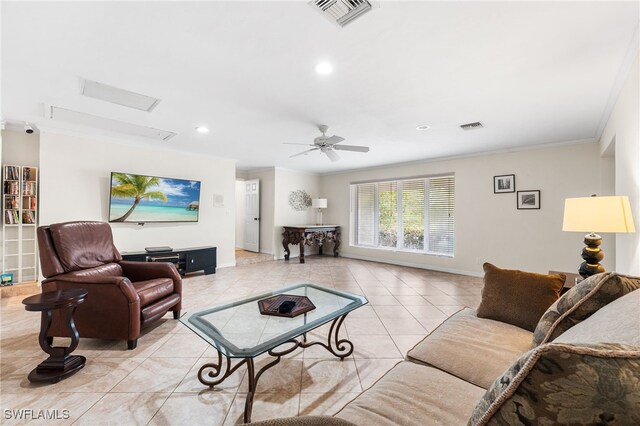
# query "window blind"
(415, 214)
(387, 214)
(365, 214)
(441, 215)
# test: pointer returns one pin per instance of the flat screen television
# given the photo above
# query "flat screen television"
(141, 199)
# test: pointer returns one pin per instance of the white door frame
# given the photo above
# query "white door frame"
(252, 215)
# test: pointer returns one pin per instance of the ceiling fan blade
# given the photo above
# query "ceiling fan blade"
(332, 155)
(303, 152)
(293, 143)
(355, 148)
(333, 139)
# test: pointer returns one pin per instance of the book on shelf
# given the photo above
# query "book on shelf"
(28, 216)
(28, 173)
(11, 188)
(11, 172)
(29, 202)
(11, 217)
(28, 188)
(10, 202)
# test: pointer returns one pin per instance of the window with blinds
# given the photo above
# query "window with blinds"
(413, 215)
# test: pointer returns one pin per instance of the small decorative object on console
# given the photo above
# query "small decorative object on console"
(157, 249)
(285, 305)
(7, 279)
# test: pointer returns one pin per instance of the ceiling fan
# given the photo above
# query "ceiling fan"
(327, 145)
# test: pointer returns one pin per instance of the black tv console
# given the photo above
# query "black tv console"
(186, 260)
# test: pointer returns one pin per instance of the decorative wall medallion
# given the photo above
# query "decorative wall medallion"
(299, 200)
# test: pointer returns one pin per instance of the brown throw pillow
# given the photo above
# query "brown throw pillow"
(517, 297)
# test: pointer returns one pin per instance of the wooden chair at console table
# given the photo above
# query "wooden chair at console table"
(309, 235)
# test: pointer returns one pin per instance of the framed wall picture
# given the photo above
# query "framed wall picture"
(528, 200)
(504, 183)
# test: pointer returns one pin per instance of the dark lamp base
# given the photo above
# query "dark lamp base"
(592, 256)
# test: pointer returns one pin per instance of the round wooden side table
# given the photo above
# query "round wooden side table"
(60, 363)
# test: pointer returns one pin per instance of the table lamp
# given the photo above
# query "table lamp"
(319, 203)
(596, 214)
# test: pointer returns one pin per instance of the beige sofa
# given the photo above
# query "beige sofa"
(580, 366)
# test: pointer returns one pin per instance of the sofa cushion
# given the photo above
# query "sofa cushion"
(580, 302)
(304, 421)
(617, 322)
(82, 245)
(475, 349)
(414, 394)
(517, 297)
(566, 384)
(152, 290)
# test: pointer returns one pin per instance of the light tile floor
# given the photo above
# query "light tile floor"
(156, 383)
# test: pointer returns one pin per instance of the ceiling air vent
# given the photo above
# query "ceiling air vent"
(117, 96)
(341, 12)
(472, 126)
(108, 124)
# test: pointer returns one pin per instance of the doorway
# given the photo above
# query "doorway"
(248, 223)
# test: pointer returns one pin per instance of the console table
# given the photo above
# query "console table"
(310, 235)
(186, 259)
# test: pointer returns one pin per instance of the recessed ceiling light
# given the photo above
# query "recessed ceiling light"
(202, 129)
(324, 68)
(423, 127)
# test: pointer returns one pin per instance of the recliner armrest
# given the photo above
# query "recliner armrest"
(122, 283)
(142, 271)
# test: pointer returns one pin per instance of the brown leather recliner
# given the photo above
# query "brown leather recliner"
(123, 296)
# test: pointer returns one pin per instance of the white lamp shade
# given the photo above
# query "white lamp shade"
(598, 214)
(319, 203)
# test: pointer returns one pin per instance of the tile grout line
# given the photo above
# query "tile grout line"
(109, 391)
(174, 389)
(87, 410)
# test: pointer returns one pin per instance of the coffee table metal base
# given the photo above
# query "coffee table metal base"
(212, 374)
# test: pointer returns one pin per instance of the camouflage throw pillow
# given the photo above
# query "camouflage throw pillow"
(566, 384)
(580, 302)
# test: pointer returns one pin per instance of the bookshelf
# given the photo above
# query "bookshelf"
(19, 222)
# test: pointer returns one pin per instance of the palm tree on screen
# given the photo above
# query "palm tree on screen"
(136, 187)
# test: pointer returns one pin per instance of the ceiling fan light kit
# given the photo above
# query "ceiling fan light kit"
(328, 145)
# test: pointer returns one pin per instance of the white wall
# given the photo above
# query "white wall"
(623, 130)
(74, 185)
(488, 227)
(20, 148)
(267, 179)
(285, 215)
(240, 212)
(275, 185)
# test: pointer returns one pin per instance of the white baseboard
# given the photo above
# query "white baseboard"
(226, 265)
(413, 265)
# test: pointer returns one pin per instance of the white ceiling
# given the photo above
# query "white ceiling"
(532, 72)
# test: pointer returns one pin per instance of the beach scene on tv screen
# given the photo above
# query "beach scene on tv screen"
(138, 198)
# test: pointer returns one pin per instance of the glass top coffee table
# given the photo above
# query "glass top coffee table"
(238, 330)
